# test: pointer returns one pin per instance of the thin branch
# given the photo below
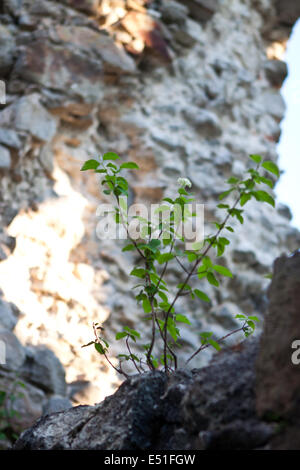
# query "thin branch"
(204, 346)
(131, 355)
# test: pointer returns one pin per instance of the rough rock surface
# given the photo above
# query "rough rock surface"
(184, 91)
(222, 406)
(33, 376)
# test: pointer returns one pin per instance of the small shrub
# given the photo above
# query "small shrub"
(160, 245)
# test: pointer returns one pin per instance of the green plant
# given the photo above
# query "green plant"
(8, 412)
(160, 244)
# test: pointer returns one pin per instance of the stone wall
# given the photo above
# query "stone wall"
(182, 88)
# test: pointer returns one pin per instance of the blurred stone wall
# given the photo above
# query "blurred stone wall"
(182, 88)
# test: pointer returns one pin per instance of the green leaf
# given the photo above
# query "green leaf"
(225, 194)
(202, 295)
(192, 257)
(212, 280)
(264, 197)
(90, 165)
(256, 158)
(129, 166)
(232, 180)
(163, 296)
(129, 247)
(182, 319)
(138, 272)
(121, 335)
(165, 257)
(214, 344)
(99, 348)
(245, 197)
(251, 324)
(254, 318)
(174, 332)
(154, 244)
(110, 156)
(132, 331)
(240, 316)
(268, 276)
(266, 181)
(147, 305)
(222, 270)
(271, 167)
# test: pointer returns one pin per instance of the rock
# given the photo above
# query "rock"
(43, 369)
(202, 10)
(278, 379)
(28, 403)
(10, 138)
(8, 317)
(5, 160)
(276, 72)
(212, 408)
(173, 12)
(288, 11)
(285, 211)
(7, 47)
(55, 67)
(142, 27)
(274, 104)
(115, 60)
(55, 404)
(247, 398)
(87, 6)
(132, 403)
(27, 114)
(46, 158)
(14, 351)
(206, 122)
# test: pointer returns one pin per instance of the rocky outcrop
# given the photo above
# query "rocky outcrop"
(32, 379)
(247, 398)
(182, 88)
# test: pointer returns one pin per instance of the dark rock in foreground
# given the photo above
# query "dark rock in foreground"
(240, 401)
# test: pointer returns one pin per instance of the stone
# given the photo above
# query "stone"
(7, 47)
(10, 138)
(14, 351)
(87, 6)
(28, 403)
(115, 60)
(43, 369)
(141, 26)
(55, 404)
(212, 408)
(27, 114)
(8, 317)
(206, 122)
(274, 104)
(285, 211)
(202, 10)
(46, 158)
(246, 398)
(276, 71)
(139, 115)
(274, 365)
(288, 11)
(173, 12)
(5, 160)
(55, 67)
